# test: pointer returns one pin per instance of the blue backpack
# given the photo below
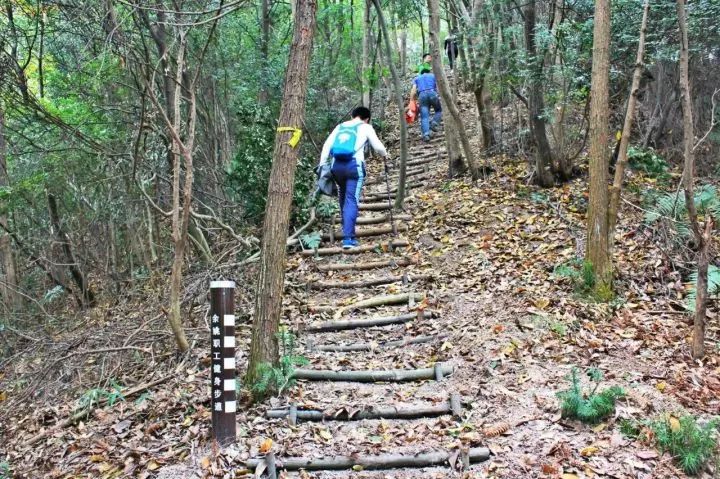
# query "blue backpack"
(343, 148)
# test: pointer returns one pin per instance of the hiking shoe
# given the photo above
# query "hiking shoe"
(426, 138)
(434, 126)
(350, 243)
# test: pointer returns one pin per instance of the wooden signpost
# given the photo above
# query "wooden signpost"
(222, 353)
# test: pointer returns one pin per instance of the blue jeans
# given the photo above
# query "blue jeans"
(349, 176)
(429, 99)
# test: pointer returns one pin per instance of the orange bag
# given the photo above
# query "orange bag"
(411, 112)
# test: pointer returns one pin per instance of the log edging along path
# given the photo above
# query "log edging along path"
(373, 201)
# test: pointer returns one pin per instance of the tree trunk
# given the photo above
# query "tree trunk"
(180, 222)
(399, 102)
(264, 48)
(403, 53)
(446, 96)
(484, 114)
(365, 78)
(271, 274)
(87, 295)
(616, 188)
(702, 238)
(536, 103)
(8, 287)
(598, 254)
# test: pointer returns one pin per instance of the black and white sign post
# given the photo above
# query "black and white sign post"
(222, 353)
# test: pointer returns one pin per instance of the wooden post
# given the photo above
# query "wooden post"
(222, 352)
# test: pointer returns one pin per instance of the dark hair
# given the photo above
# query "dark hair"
(362, 112)
(426, 54)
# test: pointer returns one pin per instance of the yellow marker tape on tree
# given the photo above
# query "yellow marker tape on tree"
(295, 138)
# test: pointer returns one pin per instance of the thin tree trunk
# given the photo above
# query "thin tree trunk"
(264, 48)
(598, 254)
(403, 53)
(365, 78)
(702, 237)
(179, 222)
(88, 297)
(616, 188)
(434, 9)
(484, 114)
(9, 284)
(271, 274)
(399, 102)
(536, 103)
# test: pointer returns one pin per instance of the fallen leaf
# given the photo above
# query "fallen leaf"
(588, 451)
(266, 446)
(661, 386)
(205, 462)
(325, 434)
(674, 424)
(646, 454)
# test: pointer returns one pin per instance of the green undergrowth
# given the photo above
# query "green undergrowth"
(691, 444)
(277, 379)
(588, 407)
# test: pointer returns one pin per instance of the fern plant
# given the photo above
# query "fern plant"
(276, 379)
(713, 286)
(671, 207)
(591, 407)
(311, 240)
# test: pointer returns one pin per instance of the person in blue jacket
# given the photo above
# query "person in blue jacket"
(425, 90)
(345, 149)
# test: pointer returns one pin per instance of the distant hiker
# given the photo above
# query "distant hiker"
(425, 89)
(345, 148)
(426, 63)
(451, 48)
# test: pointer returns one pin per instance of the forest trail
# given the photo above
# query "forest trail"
(395, 415)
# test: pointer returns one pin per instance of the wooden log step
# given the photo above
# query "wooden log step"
(373, 412)
(347, 348)
(364, 232)
(380, 196)
(399, 262)
(366, 283)
(378, 462)
(377, 219)
(328, 326)
(386, 246)
(371, 376)
(374, 206)
(408, 173)
(374, 302)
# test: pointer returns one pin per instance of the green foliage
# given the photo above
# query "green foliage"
(276, 379)
(690, 443)
(670, 208)
(311, 240)
(581, 273)
(327, 208)
(713, 286)
(590, 407)
(559, 328)
(647, 161)
(93, 397)
(5, 471)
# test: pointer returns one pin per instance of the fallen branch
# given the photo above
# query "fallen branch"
(387, 246)
(370, 376)
(365, 232)
(362, 323)
(332, 348)
(365, 266)
(365, 283)
(373, 412)
(85, 411)
(383, 461)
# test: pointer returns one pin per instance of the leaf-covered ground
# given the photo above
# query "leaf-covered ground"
(501, 251)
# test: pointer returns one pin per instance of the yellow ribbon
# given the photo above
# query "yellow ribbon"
(295, 138)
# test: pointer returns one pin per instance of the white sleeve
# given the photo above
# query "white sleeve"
(328, 144)
(375, 142)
